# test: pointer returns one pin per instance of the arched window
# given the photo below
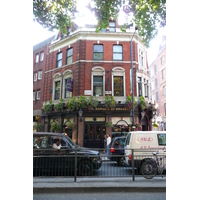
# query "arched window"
(98, 81)
(67, 80)
(57, 79)
(118, 82)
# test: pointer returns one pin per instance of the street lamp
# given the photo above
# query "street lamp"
(80, 112)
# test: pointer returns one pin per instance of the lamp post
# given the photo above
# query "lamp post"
(132, 112)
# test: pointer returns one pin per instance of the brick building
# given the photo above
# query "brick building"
(158, 84)
(93, 64)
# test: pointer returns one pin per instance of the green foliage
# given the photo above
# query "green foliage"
(110, 102)
(142, 103)
(128, 102)
(55, 127)
(155, 125)
(70, 124)
(59, 106)
(38, 127)
(147, 14)
(92, 103)
(54, 14)
(81, 103)
(72, 104)
(109, 124)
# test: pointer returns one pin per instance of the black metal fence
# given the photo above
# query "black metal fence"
(70, 163)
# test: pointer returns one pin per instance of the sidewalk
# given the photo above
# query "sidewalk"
(41, 184)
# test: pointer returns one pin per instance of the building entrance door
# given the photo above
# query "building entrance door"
(94, 135)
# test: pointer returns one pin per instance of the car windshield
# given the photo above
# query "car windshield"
(71, 142)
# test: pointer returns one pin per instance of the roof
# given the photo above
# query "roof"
(45, 42)
(47, 133)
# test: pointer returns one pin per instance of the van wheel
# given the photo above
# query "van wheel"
(149, 169)
(85, 168)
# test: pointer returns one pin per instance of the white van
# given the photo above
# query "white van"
(138, 140)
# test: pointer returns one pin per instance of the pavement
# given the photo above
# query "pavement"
(43, 184)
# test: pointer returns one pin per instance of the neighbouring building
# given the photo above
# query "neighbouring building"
(158, 84)
(87, 64)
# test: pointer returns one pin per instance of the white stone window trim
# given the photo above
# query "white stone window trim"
(35, 76)
(38, 95)
(119, 71)
(98, 71)
(56, 77)
(66, 74)
(40, 75)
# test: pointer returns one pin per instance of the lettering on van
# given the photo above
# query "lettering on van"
(145, 147)
(145, 139)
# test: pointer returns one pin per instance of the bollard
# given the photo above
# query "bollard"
(75, 166)
(132, 161)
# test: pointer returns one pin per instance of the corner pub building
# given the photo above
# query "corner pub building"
(85, 63)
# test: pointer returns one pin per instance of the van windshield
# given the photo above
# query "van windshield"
(162, 139)
(128, 139)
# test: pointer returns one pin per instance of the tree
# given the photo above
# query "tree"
(54, 14)
(147, 14)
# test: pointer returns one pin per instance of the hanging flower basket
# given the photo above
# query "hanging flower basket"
(108, 124)
(70, 125)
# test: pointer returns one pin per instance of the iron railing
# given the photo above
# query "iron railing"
(69, 163)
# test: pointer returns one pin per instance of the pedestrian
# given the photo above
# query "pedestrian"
(108, 141)
(105, 143)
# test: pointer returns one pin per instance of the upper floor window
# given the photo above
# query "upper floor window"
(117, 52)
(156, 82)
(155, 69)
(59, 60)
(69, 59)
(118, 86)
(157, 96)
(151, 72)
(42, 56)
(36, 58)
(140, 86)
(38, 95)
(112, 26)
(98, 81)
(34, 96)
(162, 60)
(141, 58)
(98, 52)
(57, 90)
(146, 89)
(35, 77)
(163, 74)
(39, 75)
(97, 85)
(164, 90)
(67, 84)
(118, 82)
(152, 85)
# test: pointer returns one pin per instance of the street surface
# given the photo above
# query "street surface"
(101, 195)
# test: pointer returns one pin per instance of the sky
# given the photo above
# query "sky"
(85, 16)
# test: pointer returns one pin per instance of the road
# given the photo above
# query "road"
(101, 195)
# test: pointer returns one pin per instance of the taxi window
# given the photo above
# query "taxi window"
(162, 139)
(40, 142)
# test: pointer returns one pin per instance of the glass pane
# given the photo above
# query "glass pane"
(91, 135)
(117, 48)
(97, 90)
(98, 48)
(111, 24)
(98, 132)
(118, 86)
(69, 52)
(59, 63)
(117, 56)
(41, 56)
(98, 56)
(111, 29)
(69, 60)
(59, 56)
(86, 132)
(162, 139)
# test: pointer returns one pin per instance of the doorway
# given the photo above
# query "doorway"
(94, 135)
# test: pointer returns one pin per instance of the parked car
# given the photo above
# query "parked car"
(117, 149)
(48, 161)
